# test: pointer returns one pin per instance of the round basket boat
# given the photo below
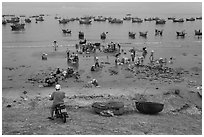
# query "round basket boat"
(149, 107)
(116, 107)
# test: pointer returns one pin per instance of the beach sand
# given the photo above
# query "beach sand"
(28, 112)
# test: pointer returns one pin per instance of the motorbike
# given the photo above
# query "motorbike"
(61, 112)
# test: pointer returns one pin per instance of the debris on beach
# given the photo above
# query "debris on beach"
(47, 79)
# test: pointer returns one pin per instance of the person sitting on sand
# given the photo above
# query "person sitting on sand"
(58, 98)
(93, 68)
(95, 83)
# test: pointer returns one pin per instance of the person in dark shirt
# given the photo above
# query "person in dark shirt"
(58, 98)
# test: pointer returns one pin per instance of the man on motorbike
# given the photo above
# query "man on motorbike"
(58, 98)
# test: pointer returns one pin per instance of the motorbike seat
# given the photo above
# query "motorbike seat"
(60, 106)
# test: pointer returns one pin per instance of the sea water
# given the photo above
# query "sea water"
(42, 34)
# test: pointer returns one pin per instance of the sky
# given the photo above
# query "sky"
(102, 7)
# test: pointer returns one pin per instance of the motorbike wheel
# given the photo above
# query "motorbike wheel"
(64, 117)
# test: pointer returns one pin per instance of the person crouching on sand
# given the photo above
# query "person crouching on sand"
(58, 98)
(95, 83)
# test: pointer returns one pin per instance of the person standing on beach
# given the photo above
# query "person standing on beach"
(58, 98)
(55, 45)
(132, 56)
(151, 57)
(68, 52)
(144, 53)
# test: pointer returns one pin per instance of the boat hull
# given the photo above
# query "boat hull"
(149, 107)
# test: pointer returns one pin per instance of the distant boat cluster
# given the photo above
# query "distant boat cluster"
(17, 23)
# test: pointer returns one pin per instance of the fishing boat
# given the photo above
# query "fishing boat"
(162, 21)
(137, 20)
(127, 17)
(178, 20)
(81, 35)
(198, 33)
(143, 34)
(86, 18)
(13, 20)
(85, 21)
(118, 21)
(171, 18)
(17, 26)
(190, 19)
(4, 22)
(28, 20)
(100, 18)
(103, 35)
(39, 19)
(158, 32)
(181, 34)
(156, 18)
(63, 21)
(131, 34)
(149, 107)
(199, 18)
(148, 19)
(66, 31)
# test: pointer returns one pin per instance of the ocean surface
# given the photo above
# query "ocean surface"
(42, 34)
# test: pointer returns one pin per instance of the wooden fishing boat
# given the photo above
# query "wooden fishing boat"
(178, 20)
(17, 26)
(103, 35)
(13, 20)
(190, 19)
(137, 20)
(162, 21)
(4, 22)
(127, 17)
(66, 31)
(84, 21)
(100, 18)
(63, 21)
(158, 32)
(171, 18)
(39, 19)
(143, 34)
(199, 18)
(118, 21)
(131, 34)
(81, 35)
(198, 33)
(149, 107)
(28, 20)
(148, 19)
(181, 34)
